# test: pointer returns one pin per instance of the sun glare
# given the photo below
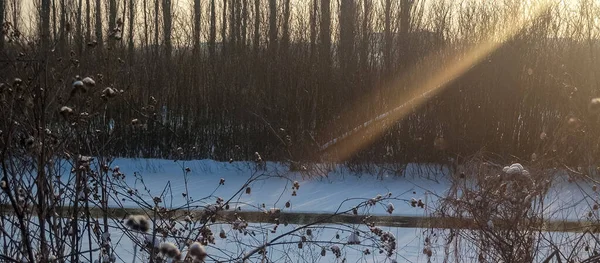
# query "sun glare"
(344, 146)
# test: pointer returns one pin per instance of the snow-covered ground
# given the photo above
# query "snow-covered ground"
(340, 189)
(274, 188)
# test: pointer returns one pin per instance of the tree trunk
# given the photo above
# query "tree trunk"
(99, 24)
(167, 32)
(131, 32)
(325, 34)
(88, 22)
(2, 7)
(112, 18)
(313, 30)
(54, 23)
(197, 17)
(256, 41)
(272, 26)
(405, 7)
(285, 42)
(16, 10)
(366, 33)
(64, 28)
(79, 26)
(347, 25)
(213, 31)
(224, 29)
(156, 26)
(146, 35)
(244, 23)
(387, 49)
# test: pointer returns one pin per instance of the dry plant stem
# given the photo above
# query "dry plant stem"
(19, 212)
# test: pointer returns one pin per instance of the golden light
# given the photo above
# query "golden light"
(444, 72)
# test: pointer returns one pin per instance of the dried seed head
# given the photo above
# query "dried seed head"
(109, 92)
(66, 111)
(78, 86)
(574, 123)
(390, 208)
(169, 249)
(197, 251)
(594, 106)
(88, 82)
(248, 190)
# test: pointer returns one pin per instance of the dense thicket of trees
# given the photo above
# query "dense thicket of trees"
(284, 77)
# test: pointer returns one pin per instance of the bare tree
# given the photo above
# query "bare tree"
(256, 41)
(212, 31)
(224, 29)
(2, 10)
(347, 32)
(131, 45)
(285, 41)
(325, 34)
(99, 38)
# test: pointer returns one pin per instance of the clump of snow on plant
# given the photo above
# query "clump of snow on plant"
(515, 168)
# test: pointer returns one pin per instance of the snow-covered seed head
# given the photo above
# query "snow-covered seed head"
(574, 123)
(3, 184)
(594, 106)
(169, 249)
(138, 223)
(336, 251)
(78, 86)
(51, 257)
(427, 251)
(135, 122)
(66, 111)
(109, 92)
(88, 82)
(17, 82)
(515, 168)
(353, 239)
(197, 251)
(390, 208)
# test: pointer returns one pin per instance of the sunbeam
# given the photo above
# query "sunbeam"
(344, 146)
